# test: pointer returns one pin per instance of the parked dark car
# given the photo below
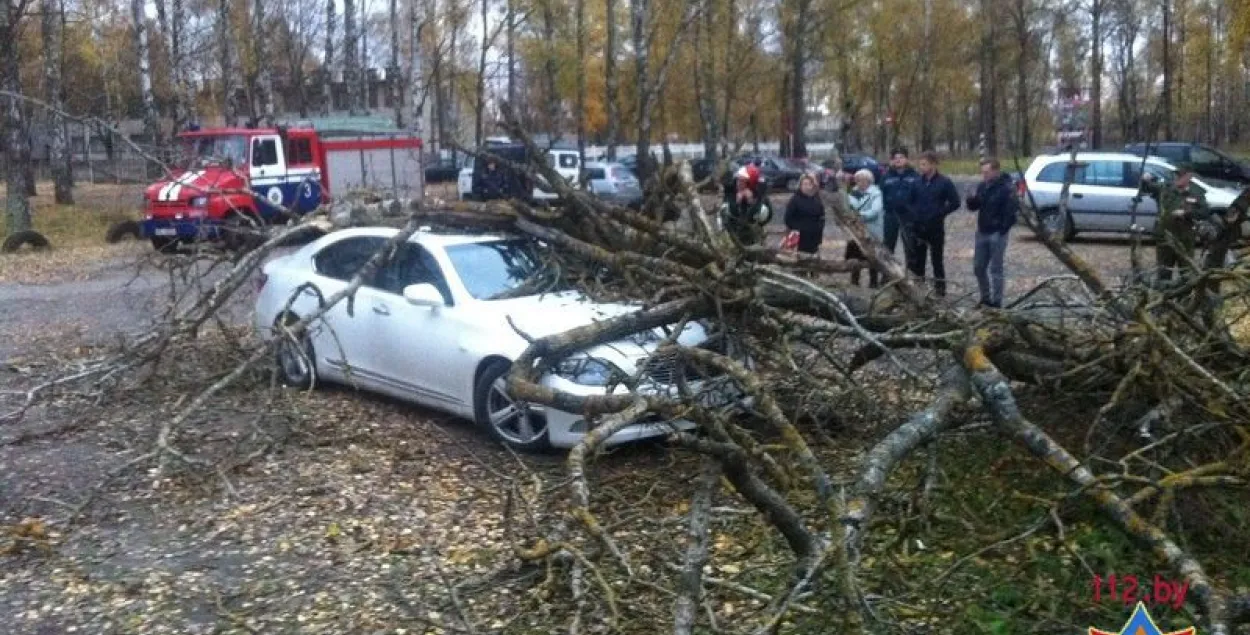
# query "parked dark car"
(516, 184)
(776, 172)
(441, 171)
(1207, 161)
(852, 163)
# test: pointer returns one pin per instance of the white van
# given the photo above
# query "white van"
(565, 162)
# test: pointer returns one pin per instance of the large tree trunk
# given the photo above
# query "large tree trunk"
(416, 78)
(151, 119)
(704, 73)
(580, 115)
(1095, 73)
(479, 107)
(638, 12)
(264, 80)
(229, 70)
(552, 99)
(362, 34)
(350, 50)
(798, 79)
(17, 208)
(392, 72)
(53, 42)
(988, 100)
(185, 109)
(510, 16)
(327, 64)
(926, 72)
(1166, 95)
(610, 81)
(1023, 42)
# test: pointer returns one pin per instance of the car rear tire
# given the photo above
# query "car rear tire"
(1060, 227)
(17, 240)
(122, 230)
(295, 359)
(510, 423)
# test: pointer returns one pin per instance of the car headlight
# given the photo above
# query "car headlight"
(199, 201)
(587, 371)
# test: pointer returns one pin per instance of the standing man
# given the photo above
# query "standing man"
(898, 187)
(996, 206)
(924, 229)
(1180, 210)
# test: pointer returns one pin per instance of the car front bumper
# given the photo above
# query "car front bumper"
(180, 228)
(567, 429)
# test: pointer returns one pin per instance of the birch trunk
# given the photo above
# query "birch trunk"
(610, 80)
(580, 114)
(53, 42)
(17, 208)
(638, 12)
(184, 97)
(392, 72)
(229, 70)
(350, 49)
(327, 66)
(151, 119)
(264, 79)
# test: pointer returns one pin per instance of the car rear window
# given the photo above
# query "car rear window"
(1103, 173)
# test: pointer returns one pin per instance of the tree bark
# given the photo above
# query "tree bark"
(416, 79)
(151, 119)
(798, 75)
(479, 109)
(988, 99)
(53, 46)
(580, 114)
(1166, 95)
(229, 70)
(510, 17)
(610, 80)
(1095, 73)
(185, 109)
(327, 62)
(704, 72)
(1023, 41)
(550, 94)
(264, 80)
(926, 71)
(350, 50)
(393, 72)
(17, 208)
(638, 12)
(362, 35)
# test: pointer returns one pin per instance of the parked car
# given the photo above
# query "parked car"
(561, 160)
(614, 184)
(1102, 191)
(852, 163)
(441, 324)
(1208, 162)
(565, 162)
(441, 170)
(776, 172)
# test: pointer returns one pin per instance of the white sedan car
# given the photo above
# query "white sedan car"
(435, 326)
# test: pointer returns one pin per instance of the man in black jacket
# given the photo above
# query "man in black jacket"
(898, 187)
(996, 206)
(494, 183)
(924, 226)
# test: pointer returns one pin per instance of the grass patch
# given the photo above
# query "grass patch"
(85, 222)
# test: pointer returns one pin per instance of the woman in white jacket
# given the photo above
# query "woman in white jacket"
(866, 200)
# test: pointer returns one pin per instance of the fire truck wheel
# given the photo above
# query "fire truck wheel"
(121, 230)
(17, 240)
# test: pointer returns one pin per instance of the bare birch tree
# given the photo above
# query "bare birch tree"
(350, 50)
(229, 65)
(53, 46)
(393, 80)
(610, 81)
(327, 62)
(151, 118)
(264, 78)
(17, 208)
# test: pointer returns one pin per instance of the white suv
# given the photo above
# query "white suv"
(1102, 191)
(566, 162)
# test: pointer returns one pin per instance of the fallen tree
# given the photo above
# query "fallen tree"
(800, 341)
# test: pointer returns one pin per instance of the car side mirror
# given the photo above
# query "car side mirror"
(423, 294)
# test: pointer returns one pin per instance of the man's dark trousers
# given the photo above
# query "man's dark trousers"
(890, 239)
(922, 240)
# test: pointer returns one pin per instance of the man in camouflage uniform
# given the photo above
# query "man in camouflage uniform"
(1181, 209)
(1220, 233)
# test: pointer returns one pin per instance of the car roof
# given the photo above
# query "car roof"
(1102, 156)
(424, 235)
(602, 165)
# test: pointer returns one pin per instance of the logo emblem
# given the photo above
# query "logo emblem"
(274, 195)
(1140, 623)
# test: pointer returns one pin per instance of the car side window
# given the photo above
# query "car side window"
(1103, 174)
(1053, 173)
(568, 160)
(344, 259)
(412, 264)
(264, 152)
(1203, 156)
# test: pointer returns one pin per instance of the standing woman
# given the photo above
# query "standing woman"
(805, 214)
(866, 200)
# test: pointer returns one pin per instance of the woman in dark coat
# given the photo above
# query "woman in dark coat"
(805, 214)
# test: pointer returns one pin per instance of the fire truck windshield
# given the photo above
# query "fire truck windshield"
(231, 149)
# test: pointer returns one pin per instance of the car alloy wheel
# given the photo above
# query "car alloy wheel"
(1057, 224)
(513, 422)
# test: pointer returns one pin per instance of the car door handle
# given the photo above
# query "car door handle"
(381, 309)
(1078, 196)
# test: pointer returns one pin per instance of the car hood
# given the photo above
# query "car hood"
(550, 314)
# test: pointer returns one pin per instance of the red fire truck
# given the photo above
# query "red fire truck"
(235, 179)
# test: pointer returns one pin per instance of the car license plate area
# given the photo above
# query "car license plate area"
(166, 231)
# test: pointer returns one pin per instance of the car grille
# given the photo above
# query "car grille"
(665, 368)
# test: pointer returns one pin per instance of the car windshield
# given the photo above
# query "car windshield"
(498, 269)
(215, 149)
(623, 176)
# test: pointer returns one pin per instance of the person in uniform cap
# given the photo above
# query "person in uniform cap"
(746, 210)
(1181, 209)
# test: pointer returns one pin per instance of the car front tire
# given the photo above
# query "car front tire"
(1060, 227)
(295, 359)
(508, 421)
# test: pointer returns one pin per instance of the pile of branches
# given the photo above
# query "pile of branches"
(800, 339)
